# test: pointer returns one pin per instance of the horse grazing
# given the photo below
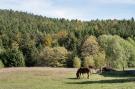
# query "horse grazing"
(82, 71)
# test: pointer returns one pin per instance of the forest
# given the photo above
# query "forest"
(32, 40)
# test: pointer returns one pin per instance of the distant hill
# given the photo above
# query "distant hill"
(31, 40)
(25, 22)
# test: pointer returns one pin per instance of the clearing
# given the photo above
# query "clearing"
(60, 78)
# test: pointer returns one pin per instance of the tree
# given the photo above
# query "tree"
(92, 53)
(88, 61)
(69, 41)
(56, 56)
(47, 41)
(31, 56)
(90, 47)
(13, 58)
(30, 34)
(76, 62)
(99, 59)
(118, 51)
(1, 64)
(131, 62)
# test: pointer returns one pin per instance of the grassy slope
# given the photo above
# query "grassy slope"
(59, 78)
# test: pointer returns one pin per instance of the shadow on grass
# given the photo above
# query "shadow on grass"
(105, 81)
(130, 74)
(73, 78)
(126, 73)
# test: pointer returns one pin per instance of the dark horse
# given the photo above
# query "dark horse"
(107, 69)
(83, 70)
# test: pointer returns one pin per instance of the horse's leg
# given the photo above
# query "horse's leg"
(79, 75)
(83, 75)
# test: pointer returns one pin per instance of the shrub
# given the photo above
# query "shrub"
(31, 56)
(88, 61)
(99, 59)
(1, 64)
(55, 57)
(76, 62)
(13, 58)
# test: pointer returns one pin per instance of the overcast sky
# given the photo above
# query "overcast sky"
(74, 9)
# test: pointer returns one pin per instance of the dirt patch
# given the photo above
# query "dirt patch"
(41, 71)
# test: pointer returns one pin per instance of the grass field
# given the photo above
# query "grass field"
(60, 78)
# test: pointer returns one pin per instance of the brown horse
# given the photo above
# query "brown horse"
(82, 71)
(88, 71)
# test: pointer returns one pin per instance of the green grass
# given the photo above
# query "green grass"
(61, 78)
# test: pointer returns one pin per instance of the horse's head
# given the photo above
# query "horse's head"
(77, 75)
(90, 66)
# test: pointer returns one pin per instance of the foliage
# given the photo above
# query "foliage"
(92, 53)
(88, 61)
(47, 40)
(54, 56)
(90, 46)
(69, 41)
(76, 62)
(1, 64)
(13, 58)
(99, 59)
(31, 34)
(31, 56)
(119, 51)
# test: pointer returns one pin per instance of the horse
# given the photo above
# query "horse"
(82, 71)
(88, 70)
(107, 69)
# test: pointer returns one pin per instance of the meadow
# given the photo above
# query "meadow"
(61, 78)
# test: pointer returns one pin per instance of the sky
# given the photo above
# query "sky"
(74, 9)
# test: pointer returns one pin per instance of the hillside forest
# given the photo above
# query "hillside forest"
(32, 40)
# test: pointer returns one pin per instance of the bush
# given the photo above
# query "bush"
(55, 57)
(119, 52)
(99, 59)
(76, 62)
(1, 64)
(13, 58)
(88, 61)
(31, 56)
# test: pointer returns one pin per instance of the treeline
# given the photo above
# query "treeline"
(31, 40)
